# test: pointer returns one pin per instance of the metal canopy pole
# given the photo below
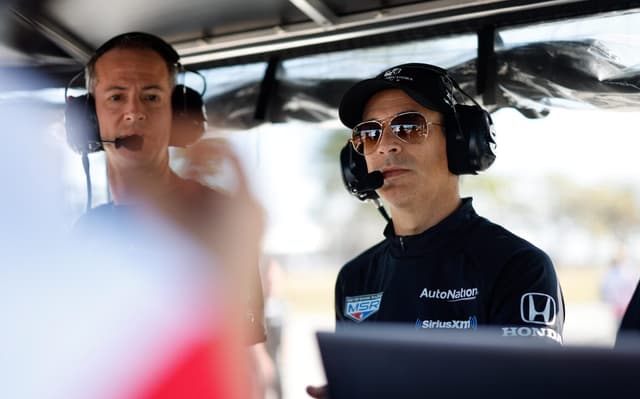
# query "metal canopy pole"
(267, 90)
(486, 66)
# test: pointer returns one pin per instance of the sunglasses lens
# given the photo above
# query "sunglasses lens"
(366, 136)
(409, 127)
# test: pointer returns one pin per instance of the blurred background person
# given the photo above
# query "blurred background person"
(619, 282)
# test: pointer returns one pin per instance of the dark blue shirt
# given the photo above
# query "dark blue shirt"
(462, 273)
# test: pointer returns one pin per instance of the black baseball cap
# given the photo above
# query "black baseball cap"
(426, 84)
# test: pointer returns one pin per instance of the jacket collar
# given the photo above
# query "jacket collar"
(443, 232)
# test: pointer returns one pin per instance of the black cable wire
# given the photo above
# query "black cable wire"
(381, 209)
(87, 173)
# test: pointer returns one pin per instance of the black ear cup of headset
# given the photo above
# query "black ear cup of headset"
(81, 123)
(470, 139)
(469, 130)
(357, 180)
(189, 116)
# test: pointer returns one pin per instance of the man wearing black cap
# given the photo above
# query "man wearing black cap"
(440, 266)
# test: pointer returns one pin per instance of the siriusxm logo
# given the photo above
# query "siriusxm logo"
(454, 295)
(471, 323)
(358, 308)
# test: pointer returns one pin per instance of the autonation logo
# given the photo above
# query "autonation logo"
(471, 323)
(452, 295)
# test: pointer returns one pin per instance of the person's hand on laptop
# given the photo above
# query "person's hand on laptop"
(317, 392)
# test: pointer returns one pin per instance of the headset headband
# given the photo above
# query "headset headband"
(138, 40)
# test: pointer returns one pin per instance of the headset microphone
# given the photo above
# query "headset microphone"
(358, 181)
(132, 143)
(372, 181)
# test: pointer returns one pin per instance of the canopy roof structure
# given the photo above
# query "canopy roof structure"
(55, 38)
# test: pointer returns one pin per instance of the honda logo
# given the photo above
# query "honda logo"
(538, 308)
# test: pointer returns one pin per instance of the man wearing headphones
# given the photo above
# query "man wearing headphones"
(180, 258)
(137, 112)
(440, 265)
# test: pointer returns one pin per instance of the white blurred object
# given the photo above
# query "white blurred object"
(82, 320)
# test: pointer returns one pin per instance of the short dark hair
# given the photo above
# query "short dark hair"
(134, 40)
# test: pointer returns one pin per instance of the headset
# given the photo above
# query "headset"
(81, 120)
(189, 114)
(469, 132)
(358, 181)
(470, 141)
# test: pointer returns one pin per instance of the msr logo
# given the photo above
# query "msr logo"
(538, 308)
(358, 308)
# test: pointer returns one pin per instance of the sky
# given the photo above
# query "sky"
(588, 146)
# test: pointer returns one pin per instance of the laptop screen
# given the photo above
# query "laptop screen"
(391, 363)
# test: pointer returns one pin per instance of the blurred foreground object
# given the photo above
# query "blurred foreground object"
(113, 315)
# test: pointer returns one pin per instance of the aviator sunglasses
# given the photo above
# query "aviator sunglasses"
(410, 127)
